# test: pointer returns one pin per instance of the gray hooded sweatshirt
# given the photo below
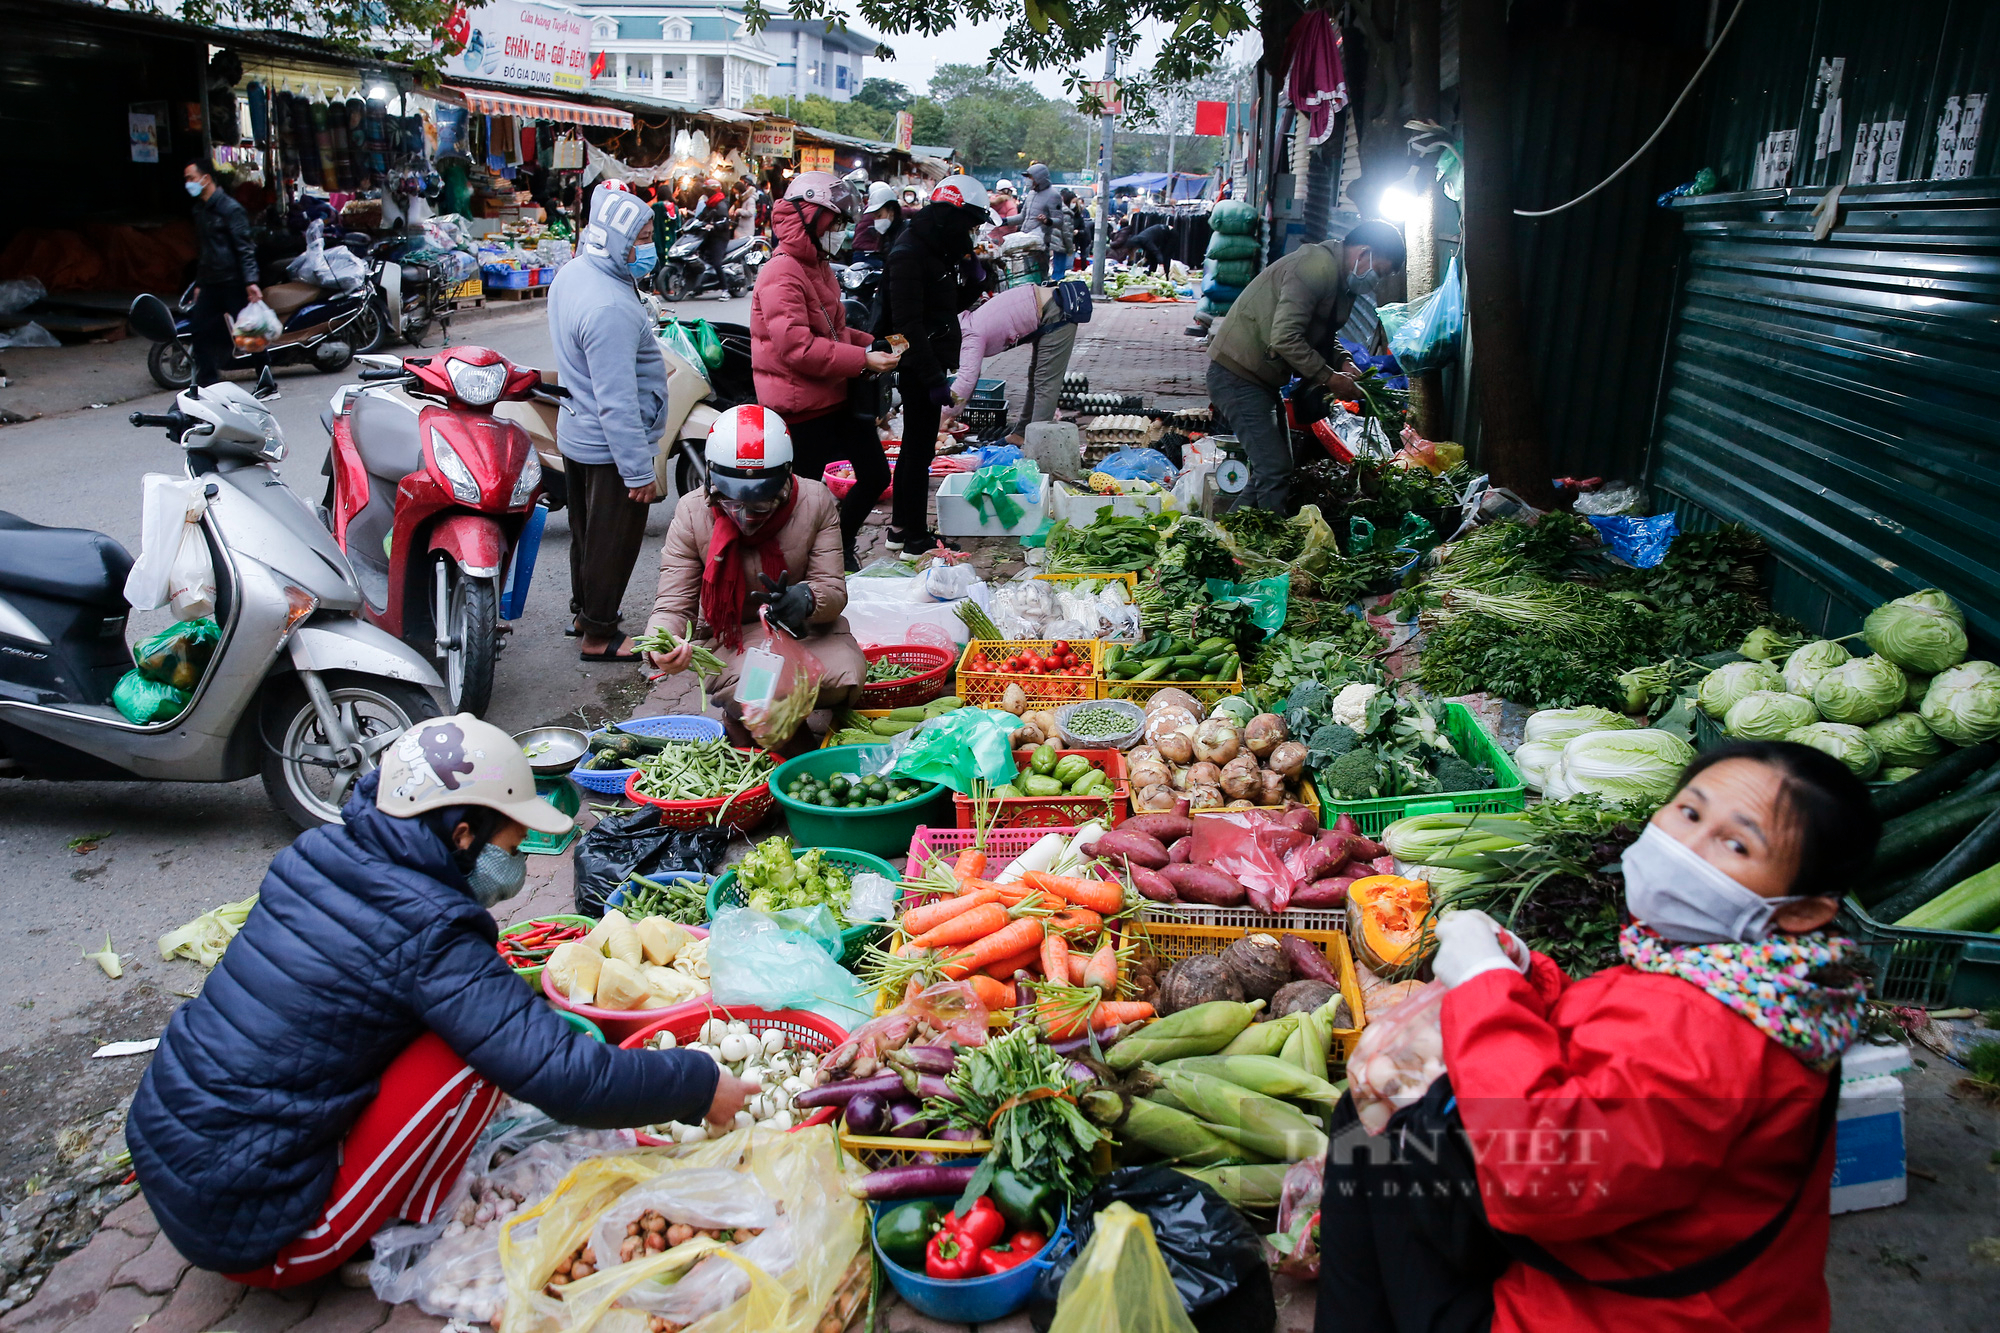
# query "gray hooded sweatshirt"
(604, 345)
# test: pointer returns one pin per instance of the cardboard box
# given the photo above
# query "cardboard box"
(1868, 1163)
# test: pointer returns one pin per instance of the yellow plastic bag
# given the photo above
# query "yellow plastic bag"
(804, 1171)
(1119, 1284)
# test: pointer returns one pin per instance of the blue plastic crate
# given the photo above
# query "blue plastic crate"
(679, 727)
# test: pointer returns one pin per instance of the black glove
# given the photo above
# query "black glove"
(941, 395)
(790, 603)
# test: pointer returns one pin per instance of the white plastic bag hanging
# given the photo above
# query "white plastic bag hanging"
(173, 565)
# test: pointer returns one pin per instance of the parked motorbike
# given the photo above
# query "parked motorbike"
(325, 326)
(414, 288)
(684, 274)
(432, 494)
(298, 689)
(860, 291)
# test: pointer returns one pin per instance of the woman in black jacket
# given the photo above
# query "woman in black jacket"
(345, 1054)
(932, 275)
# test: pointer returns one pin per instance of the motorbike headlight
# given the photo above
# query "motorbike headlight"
(463, 488)
(854, 277)
(477, 385)
(524, 485)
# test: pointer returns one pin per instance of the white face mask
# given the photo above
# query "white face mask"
(193, 188)
(883, 224)
(1364, 280)
(834, 241)
(1669, 887)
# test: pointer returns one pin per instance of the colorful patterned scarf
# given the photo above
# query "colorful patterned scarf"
(1768, 983)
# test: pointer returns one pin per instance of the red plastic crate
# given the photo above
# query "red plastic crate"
(815, 1034)
(1050, 812)
(933, 683)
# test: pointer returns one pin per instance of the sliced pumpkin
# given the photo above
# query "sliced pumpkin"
(1386, 916)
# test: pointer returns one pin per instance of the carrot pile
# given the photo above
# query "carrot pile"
(1043, 945)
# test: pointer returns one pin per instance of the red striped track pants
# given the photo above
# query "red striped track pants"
(399, 1161)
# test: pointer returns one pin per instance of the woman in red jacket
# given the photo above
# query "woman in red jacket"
(803, 357)
(1652, 1143)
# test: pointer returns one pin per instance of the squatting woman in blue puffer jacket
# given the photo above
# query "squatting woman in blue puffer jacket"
(346, 1052)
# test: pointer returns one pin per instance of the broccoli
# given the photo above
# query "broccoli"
(1330, 740)
(1455, 774)
(1354, 776)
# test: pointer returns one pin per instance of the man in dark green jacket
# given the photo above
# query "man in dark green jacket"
(1283, 325)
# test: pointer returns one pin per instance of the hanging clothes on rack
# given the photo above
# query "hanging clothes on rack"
(1317, 82)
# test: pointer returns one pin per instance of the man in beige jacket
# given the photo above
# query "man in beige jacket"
(756, 537)
(1284, 325)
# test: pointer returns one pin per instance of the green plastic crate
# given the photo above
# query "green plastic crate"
(854, 940)
(1472, 742)
(1931, 969)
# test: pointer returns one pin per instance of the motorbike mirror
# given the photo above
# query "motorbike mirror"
(150, 319)
(267, 384)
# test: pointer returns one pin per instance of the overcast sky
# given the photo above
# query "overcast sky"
(917, 56)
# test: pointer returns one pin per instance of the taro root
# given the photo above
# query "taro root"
(1300, 997)
(1197, 980)
(1258, 963)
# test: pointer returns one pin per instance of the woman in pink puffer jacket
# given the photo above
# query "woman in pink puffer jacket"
(804, 358)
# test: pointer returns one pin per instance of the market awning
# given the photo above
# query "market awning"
(541, 108)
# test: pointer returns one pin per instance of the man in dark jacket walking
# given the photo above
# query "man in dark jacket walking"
(931, 275)
(344, 1055)
(225, 269)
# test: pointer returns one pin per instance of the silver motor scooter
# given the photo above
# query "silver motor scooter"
(298, 689)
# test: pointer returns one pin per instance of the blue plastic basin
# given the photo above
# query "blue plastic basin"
(977, 1300)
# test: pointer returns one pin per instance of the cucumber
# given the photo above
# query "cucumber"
(907, 713)
(1945, 775)
(1975, 852)
(1922, 832)
(1970, 904)
(1189, 662)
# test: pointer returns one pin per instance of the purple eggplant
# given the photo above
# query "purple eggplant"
(838, 1094)
(906, 1120)
(928, 1085)
(1080, 1072)
(925, 1059)
(866, 1113)
(1078, 1045)
(958, 1134)
(912, 1182)
(926, 1159)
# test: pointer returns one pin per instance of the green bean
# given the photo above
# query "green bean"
(701, 770)
(682, 900)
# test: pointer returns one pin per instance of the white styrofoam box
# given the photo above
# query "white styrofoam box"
(1867, 1060)
(1080, 507)
(1868, 1167)
(957, 517)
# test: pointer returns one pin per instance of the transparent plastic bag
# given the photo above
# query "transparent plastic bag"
(170, 507)
(179, 654)
(17, 294)
(873, 899)
(1253, 849)
(1401, 1053)
(754, 958)
(778, 685)
(141, 701)
(1424, 334)
(675, 338)
(958, 749)
(1131, 464)
(1120, 1284)
(1291, 1249)
(254, 327)
(705, 1198)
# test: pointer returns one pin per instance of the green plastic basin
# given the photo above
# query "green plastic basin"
(883, 830)
(728, 892)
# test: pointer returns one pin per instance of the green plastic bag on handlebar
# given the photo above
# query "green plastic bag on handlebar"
(675, 338)
(708, 344)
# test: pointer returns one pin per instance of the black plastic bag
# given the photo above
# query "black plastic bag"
(1213, 1253)
(621, 846)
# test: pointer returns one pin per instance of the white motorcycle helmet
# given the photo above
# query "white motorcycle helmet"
(749, 460)
(459, 760)
(968, 194)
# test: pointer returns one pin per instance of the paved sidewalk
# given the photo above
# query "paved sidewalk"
(1128, 347)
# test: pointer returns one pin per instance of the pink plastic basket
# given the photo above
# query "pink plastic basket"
(618, 1024)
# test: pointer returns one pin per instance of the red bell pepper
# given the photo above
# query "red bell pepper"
(950, 1257)
(999, 1261)
(981, 1225)
(1027, 1243)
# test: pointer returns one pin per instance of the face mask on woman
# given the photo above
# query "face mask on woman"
(1669, 887)
(832, 242)
(497, 874)
(883, 224)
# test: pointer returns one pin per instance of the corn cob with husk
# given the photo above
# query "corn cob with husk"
(1306, 1048)
(1252, 1188)
(1202, 1029)
(1268, 1075)
(1263, 1038)
(1176, 1135)
(1264, 1125)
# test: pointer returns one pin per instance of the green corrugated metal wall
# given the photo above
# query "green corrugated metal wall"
(1843, 397)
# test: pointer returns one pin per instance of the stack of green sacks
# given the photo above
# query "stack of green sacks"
(1232, 256)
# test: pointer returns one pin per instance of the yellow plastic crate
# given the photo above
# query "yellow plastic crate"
(878, 1152)
(1131, 580)
(1172, 942)
(1208, 692)
(466, 290)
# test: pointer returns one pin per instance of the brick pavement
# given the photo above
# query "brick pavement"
(1128, 347)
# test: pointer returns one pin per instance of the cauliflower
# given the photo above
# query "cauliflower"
(1350, 706)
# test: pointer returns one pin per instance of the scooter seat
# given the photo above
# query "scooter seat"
(68, 564)
(287, 298)
(385, 435)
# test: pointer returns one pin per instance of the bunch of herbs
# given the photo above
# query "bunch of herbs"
(1014, 1090)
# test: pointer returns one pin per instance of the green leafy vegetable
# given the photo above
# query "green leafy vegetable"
(775, 880)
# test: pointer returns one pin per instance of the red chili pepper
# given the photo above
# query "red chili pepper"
(981, 1225)
(1027, 1243)
(999, 1261)
(950, 1257)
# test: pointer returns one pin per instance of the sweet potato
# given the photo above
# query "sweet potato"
(1316, 862)
(1308, 963)
(1166, 828)
(1383, 865)
(1299, 817)
(1346, 824)
(1324, 892)
(1180, 851)
(1139, 849)
(1203, 884)
(1153, 884)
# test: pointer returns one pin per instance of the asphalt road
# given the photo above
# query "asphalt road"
(134, 860)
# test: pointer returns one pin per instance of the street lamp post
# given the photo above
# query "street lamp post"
(1104, 146)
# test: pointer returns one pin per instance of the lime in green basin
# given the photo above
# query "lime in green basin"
(882, 830)
(727, 892)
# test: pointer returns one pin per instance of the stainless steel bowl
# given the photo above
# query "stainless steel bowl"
(552, 750)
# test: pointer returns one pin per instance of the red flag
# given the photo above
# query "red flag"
(597, 66)
(1211, 117)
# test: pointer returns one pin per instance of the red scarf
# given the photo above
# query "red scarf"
(723, 587)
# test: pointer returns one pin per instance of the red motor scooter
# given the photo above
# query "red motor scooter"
(434, 500)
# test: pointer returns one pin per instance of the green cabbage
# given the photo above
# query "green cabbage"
(1916, 635)
(1559, 724)
(1726, 684)
(1847, 744)
(1937, 601)
(1897, 774)
(1805, 666)
(1963, 704)
(1642, 766)
(1903, 740)
(1533, 760)
(1768, 715)
(1860, 691)
(1915, 685)
(1764, 643)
